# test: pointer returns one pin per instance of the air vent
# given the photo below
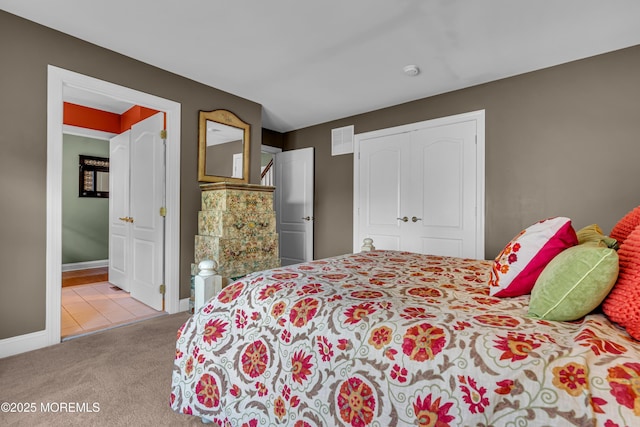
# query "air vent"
(342, 140)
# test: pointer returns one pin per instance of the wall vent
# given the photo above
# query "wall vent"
(342, 140)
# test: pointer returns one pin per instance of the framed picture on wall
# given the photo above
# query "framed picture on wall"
(94, 176)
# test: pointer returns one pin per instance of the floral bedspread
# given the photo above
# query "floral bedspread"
(389, 338)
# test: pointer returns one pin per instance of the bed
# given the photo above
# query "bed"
(390, 338)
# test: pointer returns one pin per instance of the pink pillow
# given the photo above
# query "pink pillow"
(517, 267)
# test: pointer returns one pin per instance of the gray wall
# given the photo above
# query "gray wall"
(25, 51)
(560, 141)
(219, 158)
(85, 220)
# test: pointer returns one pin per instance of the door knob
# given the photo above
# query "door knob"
(414, 219)
(307, 218)
(126, 219)
(403, 219)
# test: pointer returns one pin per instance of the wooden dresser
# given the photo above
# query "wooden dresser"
(237, 229)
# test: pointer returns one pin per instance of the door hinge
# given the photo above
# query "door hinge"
(163, 134)
(162, 289)
(163, 211)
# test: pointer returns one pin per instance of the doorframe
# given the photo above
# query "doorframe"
(269, 149)
(479, 117)
(57, 79)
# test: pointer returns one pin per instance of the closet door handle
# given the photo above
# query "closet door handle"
(414, 219)
(308, 218)
(403, 219)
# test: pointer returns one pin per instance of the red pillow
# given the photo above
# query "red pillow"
(622, 305)
(626, 225)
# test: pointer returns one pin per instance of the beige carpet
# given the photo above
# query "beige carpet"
(125, 371)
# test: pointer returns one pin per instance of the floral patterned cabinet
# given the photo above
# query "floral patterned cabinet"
(237, 229)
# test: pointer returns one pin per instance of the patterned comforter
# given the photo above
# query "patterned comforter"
(389, 338)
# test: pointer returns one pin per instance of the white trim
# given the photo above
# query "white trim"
(73, 266)
(480, 184)
(184, 304)
(479, 117)
(23, 343)
(270, 149)
(90, 133)
(57, 79)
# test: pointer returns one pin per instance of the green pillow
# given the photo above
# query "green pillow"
(575, 282)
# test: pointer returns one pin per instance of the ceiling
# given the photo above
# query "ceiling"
(309, 62)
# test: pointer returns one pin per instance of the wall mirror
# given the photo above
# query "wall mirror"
(223, 147)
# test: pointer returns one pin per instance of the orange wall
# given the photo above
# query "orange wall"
(134, 115)
(91, 118)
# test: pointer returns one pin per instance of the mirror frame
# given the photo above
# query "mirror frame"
(224, 117)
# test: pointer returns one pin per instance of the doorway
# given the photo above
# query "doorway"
(89, 301)
(58, 80)
(292, 174)
(92, 296)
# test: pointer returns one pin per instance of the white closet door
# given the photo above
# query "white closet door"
(119, 230)
(416, 189)
(442, 205)
(382, 188)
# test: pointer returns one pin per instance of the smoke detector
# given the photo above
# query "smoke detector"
(411, 70)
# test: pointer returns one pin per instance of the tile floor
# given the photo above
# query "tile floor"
(87, 308)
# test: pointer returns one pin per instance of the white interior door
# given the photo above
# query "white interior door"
(119, 230)
(237, 168)
(419, 187)
(294, 204)
(147, 199)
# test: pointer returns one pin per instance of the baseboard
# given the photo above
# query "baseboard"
(40, 339)
(23, 343)
(35, 340)
(85, 265)
(184, 304)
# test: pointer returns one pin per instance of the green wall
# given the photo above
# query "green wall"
(85, 220)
